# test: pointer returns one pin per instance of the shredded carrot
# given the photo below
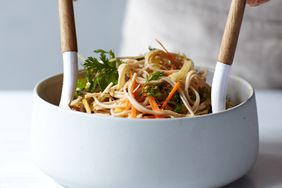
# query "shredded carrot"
(170, 56)
(133, 112)
(134, 92)
(170, 95)
(133, 86)
(154, 105)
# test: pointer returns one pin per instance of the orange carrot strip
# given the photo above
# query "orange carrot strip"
(133, 112)
(133, 86)
(154, 105)
(170, 95)
(134, 92)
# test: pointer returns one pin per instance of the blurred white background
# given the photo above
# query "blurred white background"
(30, 41)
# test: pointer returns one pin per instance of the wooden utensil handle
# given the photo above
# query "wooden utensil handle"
(67, 26)
(231, 32)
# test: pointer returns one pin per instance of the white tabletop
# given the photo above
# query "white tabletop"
(18, 171)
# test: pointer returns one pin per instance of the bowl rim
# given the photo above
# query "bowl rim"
(83, 114)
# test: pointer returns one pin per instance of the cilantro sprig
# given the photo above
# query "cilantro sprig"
(100, 72)
(154, 76)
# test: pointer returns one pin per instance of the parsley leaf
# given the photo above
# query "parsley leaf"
(100, 72)
(155, 76)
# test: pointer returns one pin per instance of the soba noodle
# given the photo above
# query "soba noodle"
(157, 85)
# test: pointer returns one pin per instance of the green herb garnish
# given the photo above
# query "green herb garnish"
(158, 91)
(154, 76)
(80, 85)
(151, 48)
(100, 72)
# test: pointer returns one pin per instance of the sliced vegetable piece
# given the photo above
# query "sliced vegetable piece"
(154, 105)
(170, 95)
(86, 106)
(122, 69)
(181, 74)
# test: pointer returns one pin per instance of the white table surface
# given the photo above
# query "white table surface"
(18, 171)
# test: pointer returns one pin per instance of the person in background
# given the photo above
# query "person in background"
(195, 28)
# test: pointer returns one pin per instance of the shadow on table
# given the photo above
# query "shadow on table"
(267, 171)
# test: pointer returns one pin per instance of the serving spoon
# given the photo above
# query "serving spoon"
(226, 55)
(69, 51)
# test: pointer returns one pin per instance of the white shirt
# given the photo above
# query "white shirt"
(195, 28)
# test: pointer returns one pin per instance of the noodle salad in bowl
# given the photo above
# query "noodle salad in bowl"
(158, 84)
(82, 149)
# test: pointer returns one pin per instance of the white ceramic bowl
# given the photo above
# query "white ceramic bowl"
(79, 150)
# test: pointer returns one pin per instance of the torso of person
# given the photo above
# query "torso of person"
(195, 28)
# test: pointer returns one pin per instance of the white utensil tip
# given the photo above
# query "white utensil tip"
(69, 78)
(219, 87)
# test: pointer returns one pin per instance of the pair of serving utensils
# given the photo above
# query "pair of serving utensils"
(222, 69)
